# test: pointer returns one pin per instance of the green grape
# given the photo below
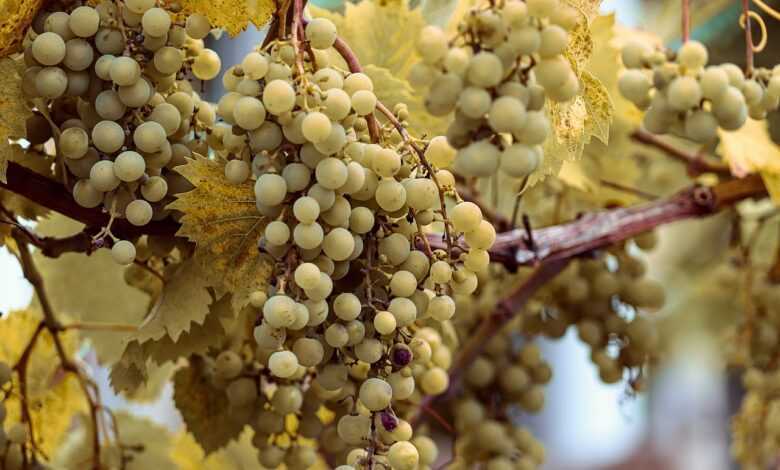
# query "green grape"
(354, 429)
(78, 55)
(634, 53)
(692, 55)
(316, 127)
(730, 109)
(197, 25)
(439, 152)
(404, 311)
(507, 114)
(525, 40)
(331, 173)
(338, 244)
(84, 21)
(355, 82)
(228, 365)
(390, 195)
(554, 40)
(551, 73)
(124, 71)
(309, 351)
(242, 392)
(136, 95)
(519, 160)
(270, 189)
(635, 85)
(321, 33)
(376, 394)
(308, 236)
(369, 351)
(432, 44)
(347, 306)
(535, 130)
(57, 22)
(287, 399)
(110, 41)
(306, 210)
(403, 284)
(73, 143)
(325, 197)
(237, 171)
(361, 220)
(474, 102)
(283, 364)
(206, 65)
(335, 141)
(480, 158)
(129, 166)
(154, 189)
(466, 217)
(684, 93)
(364, 102)
(444, 91)
(514, 379)
(485, 70)
(123, 252)
(51, 82)
(86, 195)
(156, 22)
(336, 335)
(277, 233)
(384, 323)
(421, 75)
(701, 126)
(421, 193)
(456, 61)
(139, 212)
(442, 308)
(337, 104)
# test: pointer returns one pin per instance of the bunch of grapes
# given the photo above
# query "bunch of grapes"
(356, 283)
(111, 86)
(755, 346)
(506, 59)
(685, 97)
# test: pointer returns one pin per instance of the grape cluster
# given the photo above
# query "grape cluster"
(111, 87)
(496, 74)
(356, 283)
(684, 96)
(604, 299)
(756, 346)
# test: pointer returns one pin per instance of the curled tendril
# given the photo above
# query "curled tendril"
(767, 9)
(761, 24)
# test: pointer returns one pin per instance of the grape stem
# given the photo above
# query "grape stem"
(748, 38)
(686, 21)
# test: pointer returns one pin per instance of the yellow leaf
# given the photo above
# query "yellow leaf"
(381, 33)
(39, 163)
(53, 396)
(750, 149)
(573, 174)
(186, 453)
(90, 289)
(239, 453)
(772, 183)
(231, 15)
(223, 221)
(589, 8)
(184, 301)
(16, 15)
(205, 409)
(13, 110)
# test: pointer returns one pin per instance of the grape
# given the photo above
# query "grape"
(635, 85)
(255, 65)
(73, 143)
(154, 189)
(309, 351)
(507, 114)
(123, 252)
(375, 394)
(384, 323)
(237, 171)
(554, 40)
(278, 97)
(278, 311)
(456, 61)
(270, 189)
(552, 72)
(336, 335)
(474, 102)
(103, 67)
(139, 6)
(482, 237)
(85, 194)
(338, 244)
(421, 75)
(331, 173)
(249, 113)
(363, 102)
(684, 93)
(228, 365)
(335, 141)
(692, 55)
(403, 456)
(78, 55)
(337, 104)
(241, 392)
(139, 212)
(51, 82)
(701, 126)
(444, 93)
(480, 158)
(307, 275)
(149, 137)
(324, 197)
(206, 65)
(439, 152)
(386, 163)
(156, 22)
(129, 166)
(57, 22)
(519, 160)
(277, 233)
(109, 41)
(124, 71)
(434, 381)
(421, 194)
(168, 60)
(306, 210)
(355, 82)
(197, 26)
(485, 70)
(432, 44)
(308, 236)
(354, 429)
(316, 127)
(390, 195)
(730, 109)
(361, 220)
(84, 21)
(108, 136)
(403, 284)
(167, 116)
(356, 179)
(135, 95)
(535, 130)
(321, 33)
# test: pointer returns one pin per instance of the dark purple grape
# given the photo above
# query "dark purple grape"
(389, 421)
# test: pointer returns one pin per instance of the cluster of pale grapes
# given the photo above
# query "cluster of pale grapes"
(110, 85)
(605, 299)
(12, 435)
(684, 96)
(506, 59)
(357, 293)
(755, 347)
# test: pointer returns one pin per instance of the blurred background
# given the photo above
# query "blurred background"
(683, 420)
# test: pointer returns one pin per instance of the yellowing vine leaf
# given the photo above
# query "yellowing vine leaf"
(223, 221)
(54, 397)
(751, 150)
(239, 453)
(184, 301)
(381, 33)
(205, 409)
(37, 162)
(13, 111)
(231, 15)
(16, 16)
(103, 296)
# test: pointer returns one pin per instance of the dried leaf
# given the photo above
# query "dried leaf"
(17, 16)
(231, 15)
(53, 396)
(589, 8)
(205, 409)
(103, 296)
(13, 110)
(184, 301)
(223, 221)
(37, 162)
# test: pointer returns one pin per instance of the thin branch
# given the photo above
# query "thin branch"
(686, 21)
(696, 163)
(748, 38)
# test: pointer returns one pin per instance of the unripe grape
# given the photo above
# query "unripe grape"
(149, 137)
(554, 40)
(129, 166)
(283, 364)
(51, 82)
(139, 212)
(432, 44)
(375, 394)
(692, 55)
(507, 114)
(701, 126)
(635, 85)
(390, 195)
(684, 93)
(634, 53)
(363, 102)
(197, 26)
(86, 195)
(123, 252)
(270, 189)
(278, 97)
(154, 189)
(124, 71)
(73, 143)
(156, 22)
(480, 158)
(321, 33)
(474, 102)
(338, 244)
(84, 21)
(237, 171)
(357, 81)
(519, 160)
(485, 70)
(206, 65)
(249, 113)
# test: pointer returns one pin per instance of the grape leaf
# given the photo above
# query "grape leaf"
(37, 162)
(184, 301)
(17, 16)
(53, 396)
(103, 296)
(750, 150)
(231, 15)
(205, 408)
(13, 110)
(223, 221)
(239, 453)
